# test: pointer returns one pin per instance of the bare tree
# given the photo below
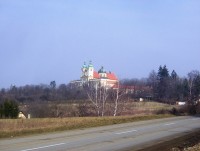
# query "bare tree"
(104, 98)
(116, 100)
(117, 94)
(191, 77)
(98, 95)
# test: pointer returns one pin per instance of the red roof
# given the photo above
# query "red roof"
(111, 76)
(96, 75)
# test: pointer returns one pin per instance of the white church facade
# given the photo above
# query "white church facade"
(89, 75)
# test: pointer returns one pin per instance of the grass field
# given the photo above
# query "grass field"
(19, 127)
(77, 109)
(131, 108)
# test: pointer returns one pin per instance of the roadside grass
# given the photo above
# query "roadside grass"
(21, 127)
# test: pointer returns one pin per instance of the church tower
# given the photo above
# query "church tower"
(90, 71)
(84, 75)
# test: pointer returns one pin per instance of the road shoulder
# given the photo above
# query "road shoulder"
(179, 142)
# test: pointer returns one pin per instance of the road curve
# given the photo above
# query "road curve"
(136, 135)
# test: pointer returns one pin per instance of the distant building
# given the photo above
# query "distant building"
(109, 80)
(89, 75)
(21, 115)
(180, 103)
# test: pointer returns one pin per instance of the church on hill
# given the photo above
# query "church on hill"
(89, 75)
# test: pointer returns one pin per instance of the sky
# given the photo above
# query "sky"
(46, 40)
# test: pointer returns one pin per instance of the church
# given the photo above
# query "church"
(89, 75)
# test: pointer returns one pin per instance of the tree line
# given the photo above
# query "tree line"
(160, 85)
(42, 92)
(164, 87)
(171, 88)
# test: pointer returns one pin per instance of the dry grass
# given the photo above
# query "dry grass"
(151, 105)
(144, 107)
(18, 127)
(193, 148)
(79, 109)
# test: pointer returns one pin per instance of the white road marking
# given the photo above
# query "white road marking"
(126, 132)
(195, 119)
(43, 147)
(169, 124)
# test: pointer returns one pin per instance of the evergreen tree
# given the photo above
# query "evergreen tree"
(174, 75)
(163, 72)
(9, 109)
(1, 111)
(174, 87)
(163, 77)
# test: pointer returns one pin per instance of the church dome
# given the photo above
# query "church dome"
(90, 64)
(101, 70)
(84, 65)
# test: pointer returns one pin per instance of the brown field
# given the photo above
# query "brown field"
(86, 108)
(18, 127)
(144, 107)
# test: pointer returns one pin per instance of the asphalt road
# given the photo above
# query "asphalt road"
(136, 135)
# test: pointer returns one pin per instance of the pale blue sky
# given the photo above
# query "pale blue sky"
(45, 40)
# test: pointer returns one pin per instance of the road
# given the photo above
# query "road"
(136, 135)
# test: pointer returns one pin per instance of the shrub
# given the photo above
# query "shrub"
(9, 109)
(198, 108)
(186, 109)
(174, 111)
(162, 111)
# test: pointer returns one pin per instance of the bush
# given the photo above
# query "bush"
(174, 111)
(189, 109)
(162, 111)
(198, 108)
(9, 109)
(186, 110)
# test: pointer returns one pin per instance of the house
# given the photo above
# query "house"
(145, 90)
(90, 76)
(21, 115)
(180, 103)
